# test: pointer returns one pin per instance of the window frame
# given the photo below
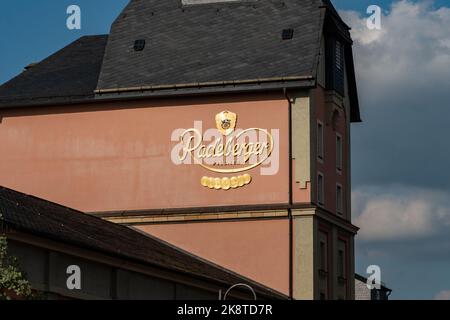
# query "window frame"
(336, 63)
(340, 209)
(338, 55)
(339, 153)
(324, 236)
(320, 141)
(323, 256)
(320, 189)
(341, 264)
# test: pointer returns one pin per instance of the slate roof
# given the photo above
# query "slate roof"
(69, 75)
(190, 49)
(214, 42)
(45, 219)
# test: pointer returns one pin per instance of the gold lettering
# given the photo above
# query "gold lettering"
(191, 140)
(192, 144)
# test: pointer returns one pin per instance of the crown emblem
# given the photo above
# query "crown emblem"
(226, 122)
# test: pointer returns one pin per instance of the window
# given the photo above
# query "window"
(323, 251)
(324, 275)
(339, 199)
(339, 55)
(338, 152)
(342, 267)
(320, 189)
(341, 264)
(320, 146)
(335, 65)
(287, 34)
(323, 256)
(139, 45)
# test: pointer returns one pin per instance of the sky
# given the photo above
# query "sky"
(401, 185)
(400, 153)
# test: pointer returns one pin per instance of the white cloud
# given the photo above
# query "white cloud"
(400, 213)
(403, 77)
(443, 295)
(410, 51)
(403, 83)
(361, 34)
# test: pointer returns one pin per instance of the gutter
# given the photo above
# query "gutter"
(166, 91)
(202, 84)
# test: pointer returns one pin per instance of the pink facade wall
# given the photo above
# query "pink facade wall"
(256, 249)
(117, 156)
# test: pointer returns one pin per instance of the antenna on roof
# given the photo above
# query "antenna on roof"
(30, 66)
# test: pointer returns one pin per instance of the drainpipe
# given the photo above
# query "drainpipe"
(291, 233)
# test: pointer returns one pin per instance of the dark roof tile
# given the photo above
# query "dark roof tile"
(70, 74)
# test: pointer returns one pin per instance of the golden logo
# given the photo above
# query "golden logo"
(226, 122)
(232, 151)
(226, 183)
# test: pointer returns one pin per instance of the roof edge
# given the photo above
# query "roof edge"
(204, 84)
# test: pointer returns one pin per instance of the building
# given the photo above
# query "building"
(115, 262)
(362, 292)
(221, 127)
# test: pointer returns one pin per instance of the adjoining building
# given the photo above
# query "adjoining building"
(363, 292)
(114, 262)
(221, 127)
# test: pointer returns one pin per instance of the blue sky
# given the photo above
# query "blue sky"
(401, 186)
(31, 30)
